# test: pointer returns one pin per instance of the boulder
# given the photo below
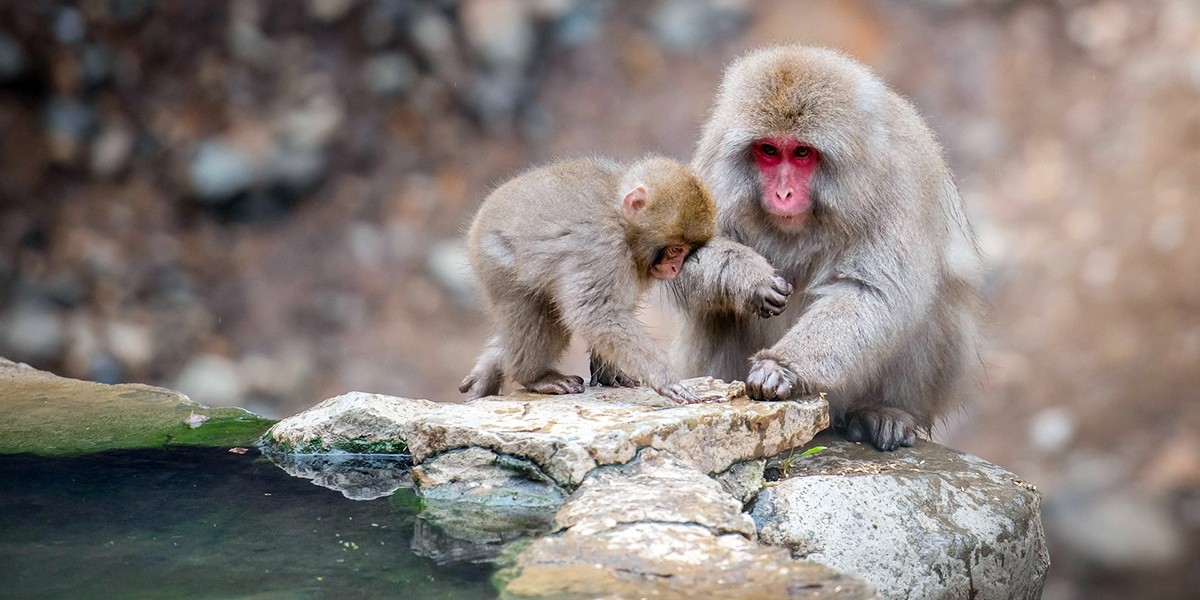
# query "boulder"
(658, 528)
(921, 522)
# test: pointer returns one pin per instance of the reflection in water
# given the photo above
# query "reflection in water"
(203, 522)
(447, 531)
(356, 476)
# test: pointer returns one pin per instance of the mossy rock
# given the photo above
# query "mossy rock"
(42, 413)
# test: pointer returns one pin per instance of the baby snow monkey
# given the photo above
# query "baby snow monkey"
(569, 249)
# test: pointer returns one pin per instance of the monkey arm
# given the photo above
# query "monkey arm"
(725, 276)
(853, 325)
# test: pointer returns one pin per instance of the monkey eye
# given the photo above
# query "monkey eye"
(768, 149)
(802, 151)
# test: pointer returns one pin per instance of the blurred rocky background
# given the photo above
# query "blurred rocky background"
(259, 202)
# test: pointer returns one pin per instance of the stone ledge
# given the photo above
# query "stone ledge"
(565, 436)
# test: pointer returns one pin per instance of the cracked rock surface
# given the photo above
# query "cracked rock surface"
(670, 562)
(921, 522)
(564, 436)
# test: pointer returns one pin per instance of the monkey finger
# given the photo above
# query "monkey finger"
(771, 386)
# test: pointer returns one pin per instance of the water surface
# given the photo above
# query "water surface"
(206, 523)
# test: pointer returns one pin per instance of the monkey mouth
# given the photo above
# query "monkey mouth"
(790, 221)
(789, 218)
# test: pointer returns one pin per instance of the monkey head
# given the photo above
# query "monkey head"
(668, 214)
(786, 119)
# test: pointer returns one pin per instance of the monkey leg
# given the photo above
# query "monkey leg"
(531, 340)
(885, 427)
(607, 374)
(487, 376)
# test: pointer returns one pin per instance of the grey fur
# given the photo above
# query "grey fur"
(885, 312)
(557, 255)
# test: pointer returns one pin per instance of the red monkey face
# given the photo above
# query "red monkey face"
(787, 166)
(669, 261)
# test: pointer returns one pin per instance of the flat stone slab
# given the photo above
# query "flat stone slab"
(42, 413)
(921, 522)
(565, 436)
(668, 562)
(655, 488)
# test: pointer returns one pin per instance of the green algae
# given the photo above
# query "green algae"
(41, 413)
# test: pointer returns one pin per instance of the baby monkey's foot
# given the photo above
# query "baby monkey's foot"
(554, 382)
(678, 393)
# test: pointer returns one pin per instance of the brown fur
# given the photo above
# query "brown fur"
(885, 269)
(557, 255)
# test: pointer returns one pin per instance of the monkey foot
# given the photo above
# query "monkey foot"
(478, 384)
(610, 376)
(886, 428)
(554, 382)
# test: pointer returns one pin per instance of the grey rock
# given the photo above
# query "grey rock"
(211, 379)
(104, 368)
(220, 170)
(433, 35)
(33, 332)
(389, 74)
(96, 64)
(12, 58)
(69, 125)
(581, 24)
(379, 25)
(448, 263)
(689, 25)
(743, 480)
(129, 10)
(297, 168)
(668, 561)
(476, 500)
(485, 478)
(330, 11)
(499, 31)
(1115, 530)
(70, 26)
(922, 522)
(654, 488)
(1052, 429)
(111, 150)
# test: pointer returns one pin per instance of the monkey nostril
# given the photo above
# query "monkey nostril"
(783, 195)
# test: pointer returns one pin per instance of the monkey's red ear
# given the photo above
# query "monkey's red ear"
(634, 201)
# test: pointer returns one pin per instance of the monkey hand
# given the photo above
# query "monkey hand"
(769, 379)
(770, 297)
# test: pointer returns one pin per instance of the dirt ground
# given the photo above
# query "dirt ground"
(261, 203)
